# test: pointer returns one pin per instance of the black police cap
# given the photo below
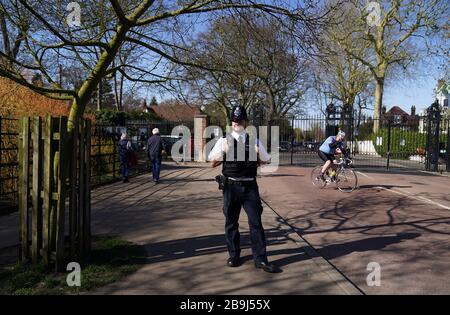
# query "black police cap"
(238, 113)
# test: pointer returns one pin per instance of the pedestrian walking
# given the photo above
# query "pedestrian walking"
(155, 148)
(124, 154)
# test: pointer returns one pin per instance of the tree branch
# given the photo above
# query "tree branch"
(58, 34)
(172, 58)
(119, 12)
(41, 90)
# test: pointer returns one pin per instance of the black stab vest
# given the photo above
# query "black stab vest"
(235, 168)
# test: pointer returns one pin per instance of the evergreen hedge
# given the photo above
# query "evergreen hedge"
(404, 143)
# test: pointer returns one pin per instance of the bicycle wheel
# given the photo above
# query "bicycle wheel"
(346, 180)
(315, 179)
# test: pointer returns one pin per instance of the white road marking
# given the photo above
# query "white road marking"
(434, 173)
(420, 198)
(369, 177)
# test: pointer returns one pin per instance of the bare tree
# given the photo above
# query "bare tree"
(339, 76)
(250, 61)
(282, 68)
(106, 28)
(12, 37)
(394, 34)
(224, 78)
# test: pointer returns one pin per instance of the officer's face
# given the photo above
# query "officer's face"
(238, 126)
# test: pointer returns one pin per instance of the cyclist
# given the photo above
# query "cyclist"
(332, 145)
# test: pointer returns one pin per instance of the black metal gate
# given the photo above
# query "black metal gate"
(413, 142)
(437, 150)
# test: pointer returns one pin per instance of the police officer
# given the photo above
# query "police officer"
(240, 188)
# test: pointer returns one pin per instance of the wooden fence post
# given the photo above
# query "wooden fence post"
(24, 142)
(36, 217)
(73, 208)
(47, 188)
(55, 140)
(87, 195)
(60, 161)
(61, 183)
(81, 187)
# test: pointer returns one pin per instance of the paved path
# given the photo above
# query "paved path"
(180, 222)
(400, 221)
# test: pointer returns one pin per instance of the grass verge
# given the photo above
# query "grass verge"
(110, 260)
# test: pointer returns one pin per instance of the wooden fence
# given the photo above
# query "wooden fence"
(54, 190)
(8, 164)
(105, 161)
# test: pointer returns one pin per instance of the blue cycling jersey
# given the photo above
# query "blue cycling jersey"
(325, 147)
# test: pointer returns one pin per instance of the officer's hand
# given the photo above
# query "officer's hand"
(225, 147)
(216, 163)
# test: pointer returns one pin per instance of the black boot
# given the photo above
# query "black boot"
(233, 262)
(267, 267)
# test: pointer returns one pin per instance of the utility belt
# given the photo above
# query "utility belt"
(224, 181)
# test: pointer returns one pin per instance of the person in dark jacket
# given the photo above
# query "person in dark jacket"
(124, 148)
(155, 147)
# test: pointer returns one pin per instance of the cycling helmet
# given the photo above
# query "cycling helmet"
(341, 133)
(238, 113)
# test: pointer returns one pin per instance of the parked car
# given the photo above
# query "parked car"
(284, 146)
(311, 145)
(298, 147)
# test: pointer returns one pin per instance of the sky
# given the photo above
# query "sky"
(417, 88)
(418, 93)
(404, 92)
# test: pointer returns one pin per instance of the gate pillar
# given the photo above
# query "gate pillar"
(433, 130)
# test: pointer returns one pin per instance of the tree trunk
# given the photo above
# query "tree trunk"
(116, 93)
(121, 92)
(359, 117)
(5, 36)
(226, 112)
(99, 95)
(74, 115)
(378, 104)
(272, 105)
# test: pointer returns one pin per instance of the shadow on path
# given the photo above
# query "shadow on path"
(213, 244)
(364, 245)
(205, 245)
(383, 186)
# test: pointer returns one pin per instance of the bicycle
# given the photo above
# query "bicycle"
(345, 178)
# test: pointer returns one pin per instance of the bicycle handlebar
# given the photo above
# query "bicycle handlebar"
(347, 161)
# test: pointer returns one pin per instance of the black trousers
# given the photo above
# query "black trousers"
(235, 197)
(326, 157)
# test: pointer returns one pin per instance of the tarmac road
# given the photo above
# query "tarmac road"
(400, 221)
(323, 240)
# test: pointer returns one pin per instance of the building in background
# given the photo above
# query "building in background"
(442, 92)
(399, 117)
